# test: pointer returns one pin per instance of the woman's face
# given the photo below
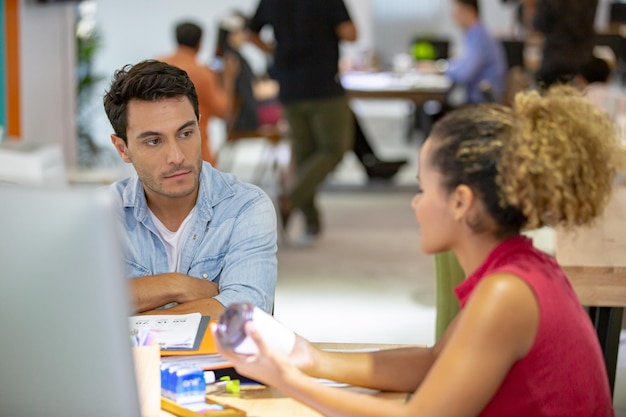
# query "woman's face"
(432, 206)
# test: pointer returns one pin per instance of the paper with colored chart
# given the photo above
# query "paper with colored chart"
(170, 331)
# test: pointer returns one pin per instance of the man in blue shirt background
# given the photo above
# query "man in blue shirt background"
(193, 239)
(482, 64)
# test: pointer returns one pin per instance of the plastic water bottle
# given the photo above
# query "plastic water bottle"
(231, 334)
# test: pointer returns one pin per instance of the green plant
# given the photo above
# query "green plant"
(87, 45)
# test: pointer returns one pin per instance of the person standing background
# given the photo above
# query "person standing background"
(568, 31)
(214, 94)
(306, 57)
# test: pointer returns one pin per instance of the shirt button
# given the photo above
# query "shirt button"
(205, 275)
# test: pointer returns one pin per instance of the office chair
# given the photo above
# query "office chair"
(617, 14)
(269, 137)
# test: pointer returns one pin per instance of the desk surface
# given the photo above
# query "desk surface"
(415, 86)
(261, 401)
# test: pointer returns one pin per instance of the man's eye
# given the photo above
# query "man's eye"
(186, 134)
(153, 141)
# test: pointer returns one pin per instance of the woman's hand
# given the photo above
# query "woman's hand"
(304, 356)
(265, 366)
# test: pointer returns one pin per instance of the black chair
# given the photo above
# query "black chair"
(617, 13)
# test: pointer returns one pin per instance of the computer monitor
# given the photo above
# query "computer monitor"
(64, 347)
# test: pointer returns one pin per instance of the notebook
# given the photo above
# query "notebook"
(65, 346)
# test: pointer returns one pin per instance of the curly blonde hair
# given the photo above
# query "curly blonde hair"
(559, 164)
(548, 160)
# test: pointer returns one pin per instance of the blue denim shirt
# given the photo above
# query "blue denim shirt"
(231, 241)
(483, 59)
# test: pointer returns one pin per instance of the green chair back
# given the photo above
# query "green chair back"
(448, 274)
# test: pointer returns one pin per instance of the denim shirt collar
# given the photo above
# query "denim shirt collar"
(134, 196)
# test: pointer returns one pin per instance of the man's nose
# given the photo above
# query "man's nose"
(174, 153)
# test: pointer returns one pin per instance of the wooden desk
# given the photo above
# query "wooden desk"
(416, 87)
(593, 259)
(261, 401)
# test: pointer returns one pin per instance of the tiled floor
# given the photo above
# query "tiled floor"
(365, 280)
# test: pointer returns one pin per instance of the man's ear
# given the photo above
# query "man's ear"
(461, 201)
(121, 148)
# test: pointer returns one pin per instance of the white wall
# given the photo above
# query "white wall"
(47, 57)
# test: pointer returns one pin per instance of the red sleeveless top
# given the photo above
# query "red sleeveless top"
(563, 374)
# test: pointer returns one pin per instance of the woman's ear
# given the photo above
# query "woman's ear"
(461, 202)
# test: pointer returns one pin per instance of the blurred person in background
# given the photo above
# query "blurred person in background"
(256, 97)
(482, 63)
(214, 92)
(568, 31)
(306, 59)
(594, 78)
(258, 107)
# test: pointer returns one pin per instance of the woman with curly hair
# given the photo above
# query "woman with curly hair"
(522, 344)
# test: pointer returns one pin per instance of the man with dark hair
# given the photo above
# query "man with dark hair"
(194, 239)
(483, 61)
(214, 95)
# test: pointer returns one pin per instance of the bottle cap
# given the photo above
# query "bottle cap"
(230, 327)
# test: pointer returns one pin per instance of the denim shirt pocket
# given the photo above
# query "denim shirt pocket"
(209, 267)
(134, 270)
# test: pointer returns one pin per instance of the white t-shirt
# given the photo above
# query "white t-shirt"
(173, 240)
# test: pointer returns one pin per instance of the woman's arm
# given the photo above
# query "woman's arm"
(400, 370)
(496, 328)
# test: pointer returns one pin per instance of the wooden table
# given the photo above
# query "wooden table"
(415, 86)
(262, 401)
(593, 259)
